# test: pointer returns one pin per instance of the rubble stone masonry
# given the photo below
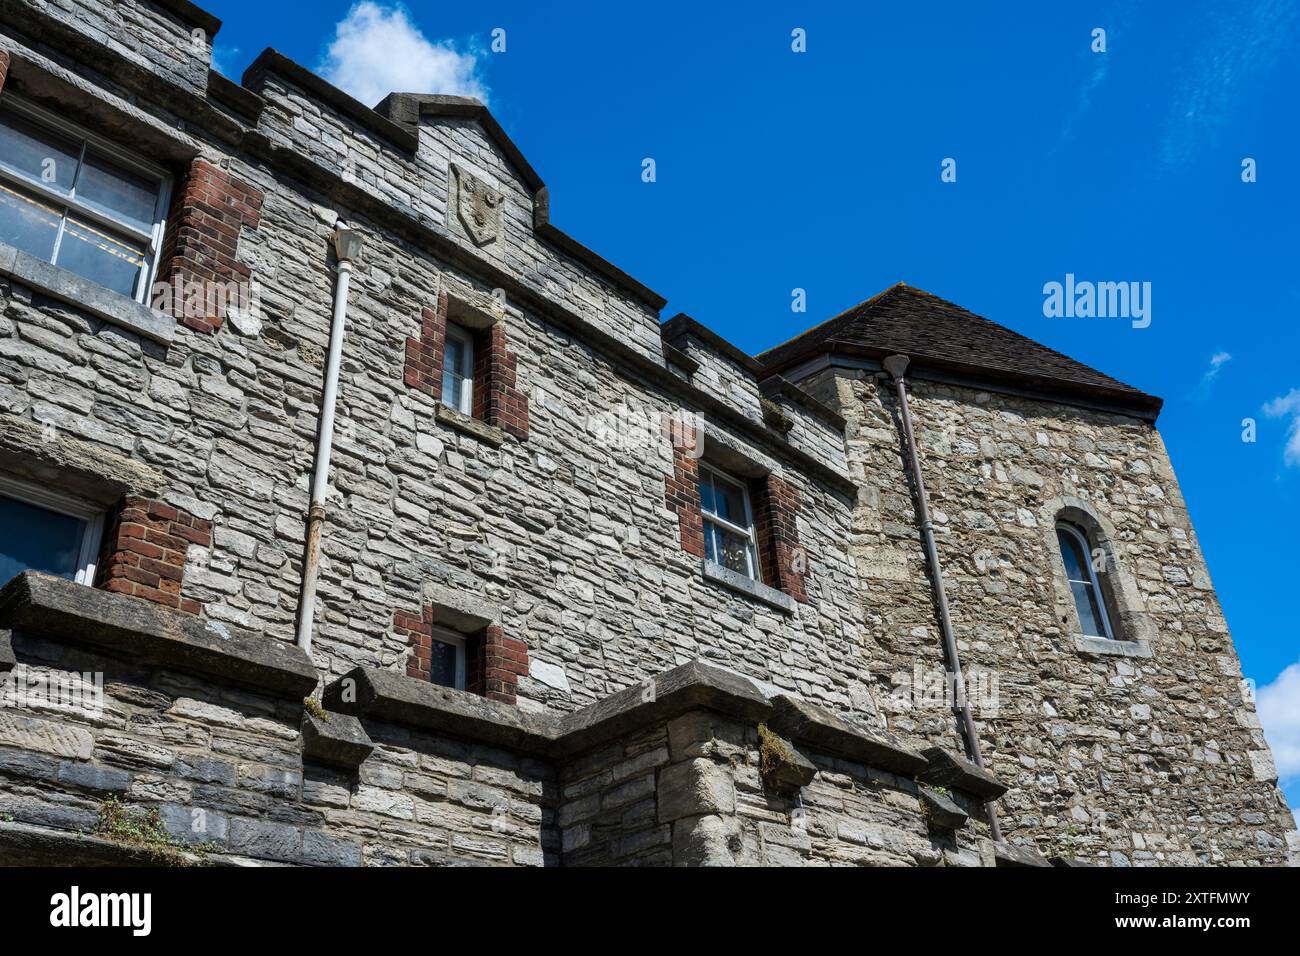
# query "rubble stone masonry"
(558, 528)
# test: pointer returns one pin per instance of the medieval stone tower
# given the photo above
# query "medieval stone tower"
(352, 513)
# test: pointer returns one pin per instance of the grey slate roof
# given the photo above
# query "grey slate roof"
(941, 336)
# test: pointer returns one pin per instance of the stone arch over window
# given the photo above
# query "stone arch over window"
(1120, 607)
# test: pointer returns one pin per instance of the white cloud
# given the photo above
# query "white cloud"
(377, 50)
(1278, 705)
(1288, 406)
(1237, 47)
(1217, 361)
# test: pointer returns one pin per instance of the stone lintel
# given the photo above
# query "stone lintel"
(144, 633)
(805, 722)
(955, 773)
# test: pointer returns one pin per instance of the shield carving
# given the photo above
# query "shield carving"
(478, 205)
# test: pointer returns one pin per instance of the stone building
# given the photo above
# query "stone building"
(580, 586)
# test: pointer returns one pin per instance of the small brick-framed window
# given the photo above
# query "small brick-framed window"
(728, 520)
(446, 663)
(462, 360)
(43, 530)
(78, 201)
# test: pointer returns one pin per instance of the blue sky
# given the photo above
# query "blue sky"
(821, 170)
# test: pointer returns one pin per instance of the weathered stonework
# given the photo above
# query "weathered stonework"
(559, 528)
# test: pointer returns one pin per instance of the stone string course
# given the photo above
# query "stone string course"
(581, 537)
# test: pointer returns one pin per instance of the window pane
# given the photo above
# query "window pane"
(1085, 602)
(114, 189)
(729, 550)
(38, 152)
(27, 224)
(100, 257)
(1076, 565)
(706, 493)
(729, 502)
(442, 667)
(35, 539)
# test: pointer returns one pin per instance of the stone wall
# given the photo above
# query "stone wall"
(1151, 756)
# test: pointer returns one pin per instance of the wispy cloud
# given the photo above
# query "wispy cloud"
(378, 50)
(1217, 361)
(1278, 705)
(1288, 407)
(221, 58)
(1237, 44)
(1115, 22)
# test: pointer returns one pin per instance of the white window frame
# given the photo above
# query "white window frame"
(1092, 581)
(69, 203)
(465, 402)
(63, 504)
(751, 552)
(457, 641)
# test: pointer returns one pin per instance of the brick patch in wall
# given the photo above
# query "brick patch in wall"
(144, 548)
(782, 560)
(494, 662)
(496, 400)
(682, 492)
(209, 210)
(423, 368)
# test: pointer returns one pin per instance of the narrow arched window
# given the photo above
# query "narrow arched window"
(1080, 571)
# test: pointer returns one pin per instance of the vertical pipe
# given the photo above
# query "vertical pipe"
(896, 366)
(324, 449)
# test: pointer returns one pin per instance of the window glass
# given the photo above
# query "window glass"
(114, 189)
(442, 665)
(1083, 583)
(36, 539)
(457, 371)
(100, 257)
(72, 205)
(728, 535)
(27, 224)
(729, 501)
(43, 154)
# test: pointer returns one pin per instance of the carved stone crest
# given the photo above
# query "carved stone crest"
(478, 205)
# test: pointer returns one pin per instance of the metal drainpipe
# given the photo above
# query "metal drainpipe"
(347, 246)
(896, 366)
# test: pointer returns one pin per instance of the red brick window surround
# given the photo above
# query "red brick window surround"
(496, 399)
(775, 502)
(209, 210)
(494, 661)
(144, 548)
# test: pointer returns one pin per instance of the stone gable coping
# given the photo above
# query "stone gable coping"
(154, 636)
(272, 62)
(190, 14)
